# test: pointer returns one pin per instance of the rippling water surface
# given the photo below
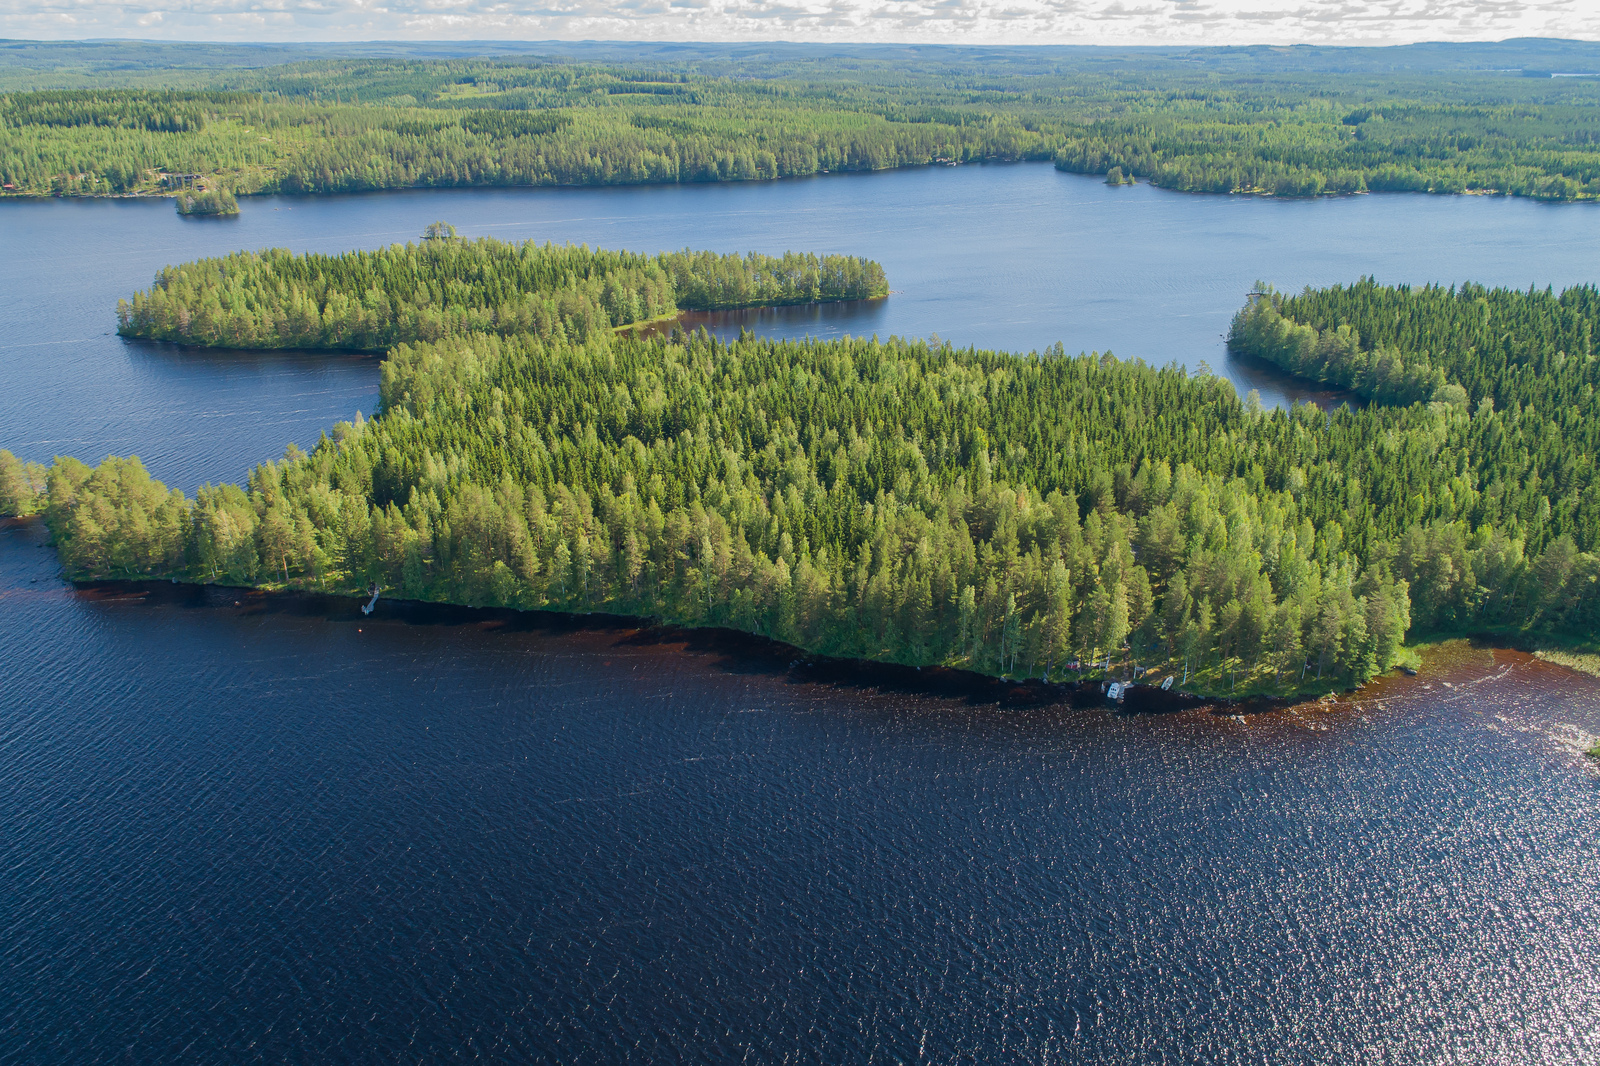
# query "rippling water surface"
(242, 829)
(275, 831)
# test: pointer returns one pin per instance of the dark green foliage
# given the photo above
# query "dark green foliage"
(1237, 141)
(891, 501)
(899, 500)
(1534, 348)
(445, 286)
(1335, 355)
(515, 123)
(894, 501)
(207, 202)
(157, 112)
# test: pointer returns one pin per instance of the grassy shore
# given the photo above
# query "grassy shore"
(1583, 662)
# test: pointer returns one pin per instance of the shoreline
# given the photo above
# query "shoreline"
(1578, 662)
(777, 656)
(783, 657)
(750, 649)
(1045, 160)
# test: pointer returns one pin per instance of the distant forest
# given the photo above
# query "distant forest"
(1194, 122)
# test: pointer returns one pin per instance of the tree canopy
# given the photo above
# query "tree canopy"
(444, 286)
(346, 125)
(894, 500)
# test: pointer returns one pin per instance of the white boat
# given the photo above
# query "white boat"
(1114, 693)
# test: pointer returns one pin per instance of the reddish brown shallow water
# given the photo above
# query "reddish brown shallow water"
(280, 831)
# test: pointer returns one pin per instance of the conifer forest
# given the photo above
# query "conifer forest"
(1031, 516)
(1226, 121)
(1027, 516)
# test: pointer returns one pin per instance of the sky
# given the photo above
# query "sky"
(1210, 22)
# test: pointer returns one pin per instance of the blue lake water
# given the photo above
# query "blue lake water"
(1009, 257)
(244, 829)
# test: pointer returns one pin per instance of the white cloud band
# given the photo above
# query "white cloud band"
(1210, 22)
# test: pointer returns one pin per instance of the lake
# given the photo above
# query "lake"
(1010, 257)
(241, 828)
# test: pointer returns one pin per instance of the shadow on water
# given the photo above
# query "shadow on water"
(727, 650)
(860, 318)
(165, 355)
(1269, 378)
(1452, 667)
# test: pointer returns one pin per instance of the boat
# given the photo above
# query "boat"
(1114, 693)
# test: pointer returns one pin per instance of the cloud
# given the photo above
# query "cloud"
(945, 21)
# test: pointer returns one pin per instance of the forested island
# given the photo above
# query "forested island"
(444, 286)
(1241, 123)
(1022, 516)
(218, 202)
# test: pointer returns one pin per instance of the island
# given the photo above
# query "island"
(444, 286)
(218, 203)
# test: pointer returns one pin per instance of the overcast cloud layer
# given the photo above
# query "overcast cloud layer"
(953, 21)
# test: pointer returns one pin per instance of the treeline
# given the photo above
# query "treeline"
(336, 126)
(1335, 356)
(1493, 146)
(443, 287)
(894, 501)
(265, 145)
(158, 112)
(610, 147)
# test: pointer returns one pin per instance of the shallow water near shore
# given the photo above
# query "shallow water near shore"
(242, 828)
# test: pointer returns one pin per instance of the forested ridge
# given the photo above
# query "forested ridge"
(345, 125)
(444, 286)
